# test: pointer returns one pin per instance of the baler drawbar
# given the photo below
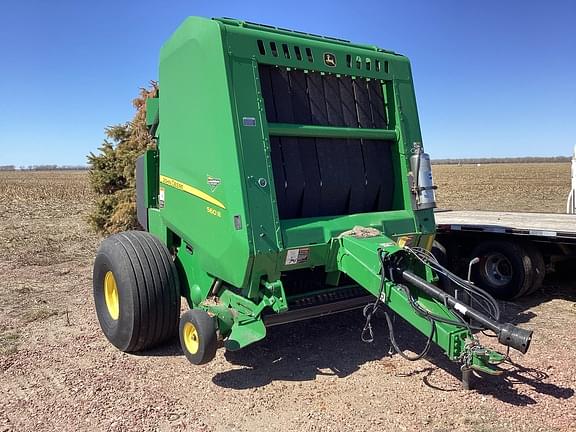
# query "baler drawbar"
(288, 182)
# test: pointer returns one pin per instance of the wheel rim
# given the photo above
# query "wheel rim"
(191, 339)
(111, 295)
(498, 270)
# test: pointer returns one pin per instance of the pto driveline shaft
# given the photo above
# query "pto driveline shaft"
(508, 334)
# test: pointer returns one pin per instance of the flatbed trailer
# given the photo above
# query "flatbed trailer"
(514, 250)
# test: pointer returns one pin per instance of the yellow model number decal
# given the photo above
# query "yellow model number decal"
(191, 190)
(214, 212)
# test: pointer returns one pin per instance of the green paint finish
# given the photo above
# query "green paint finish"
(152, 112)
(248, 326)
(301, 35)
(151, 161)
(214, 127)
(195, 283)
(486, 361)
(157, 227)
(244, 333)
(304, 232)
(280, 129)
(225, 317)
(363, 60)
(197, 142)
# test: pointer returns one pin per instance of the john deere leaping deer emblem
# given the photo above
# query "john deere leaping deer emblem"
(329, 59)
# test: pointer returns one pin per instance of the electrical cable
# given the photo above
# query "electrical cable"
(397, 348)
(366, 311)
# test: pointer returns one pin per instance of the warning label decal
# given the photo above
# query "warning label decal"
(297, 256)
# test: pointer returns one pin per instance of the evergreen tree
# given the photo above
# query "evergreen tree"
(112, 174)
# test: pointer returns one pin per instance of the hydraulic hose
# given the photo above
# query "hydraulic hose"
(508, 334)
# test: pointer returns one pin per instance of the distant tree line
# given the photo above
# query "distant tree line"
(525, 159)
(43, 168)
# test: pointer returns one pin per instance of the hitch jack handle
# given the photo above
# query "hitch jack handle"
(473, 261)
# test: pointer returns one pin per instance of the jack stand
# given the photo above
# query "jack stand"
(466, 377)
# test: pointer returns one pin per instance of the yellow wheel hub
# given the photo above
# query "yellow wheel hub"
(191, 339)
(111, 295)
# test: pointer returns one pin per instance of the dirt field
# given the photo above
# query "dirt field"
(530, 187)
(59, 373)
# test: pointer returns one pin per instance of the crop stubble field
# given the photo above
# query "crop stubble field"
(59, 373)
(532, 187)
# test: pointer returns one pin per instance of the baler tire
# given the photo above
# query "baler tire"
(136, 291)
(515, 257)
(539, 268)
(198, 337)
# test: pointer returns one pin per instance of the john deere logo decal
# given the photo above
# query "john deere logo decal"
(213, 182)
(329, 59)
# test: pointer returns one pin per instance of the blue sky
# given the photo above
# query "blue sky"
(492, 78)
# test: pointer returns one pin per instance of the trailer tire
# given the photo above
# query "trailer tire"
(505, 269)
(539, 268)
(136, 291)
(439, 252)
(198, 336)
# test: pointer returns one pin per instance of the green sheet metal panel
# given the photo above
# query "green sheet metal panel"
(200, 173)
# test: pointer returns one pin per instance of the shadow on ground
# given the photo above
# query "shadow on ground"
(169, 349)
(332, 346)
(302, 351)
(519, 311)
(505, 387)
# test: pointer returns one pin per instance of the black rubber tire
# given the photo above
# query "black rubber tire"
(439, 252)
(207, 338)
(539, 268)
(147, 288)
(521, 270)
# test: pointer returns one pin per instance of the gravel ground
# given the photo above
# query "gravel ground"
(59, 373)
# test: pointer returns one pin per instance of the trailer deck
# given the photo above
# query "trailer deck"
(550, 225)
